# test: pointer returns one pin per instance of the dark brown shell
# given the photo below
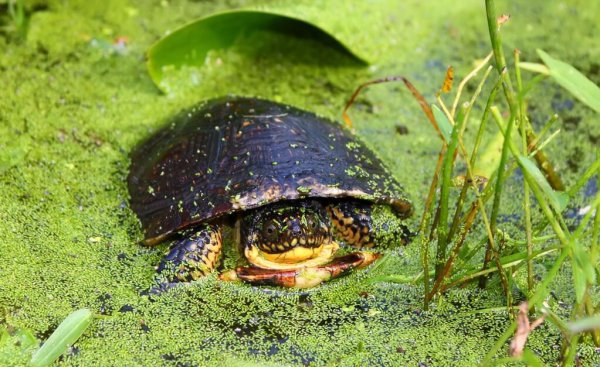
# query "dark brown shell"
(232, 154)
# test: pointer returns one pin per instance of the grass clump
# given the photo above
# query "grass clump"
(521, 152)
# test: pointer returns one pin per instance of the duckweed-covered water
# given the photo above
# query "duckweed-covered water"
(74, 101)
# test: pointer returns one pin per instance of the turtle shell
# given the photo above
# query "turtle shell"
(232, 154)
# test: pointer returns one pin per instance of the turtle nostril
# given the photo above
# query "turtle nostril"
(269, 231)
(312, 224)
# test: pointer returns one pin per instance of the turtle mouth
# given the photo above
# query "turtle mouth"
(289, 242)
(293, 258)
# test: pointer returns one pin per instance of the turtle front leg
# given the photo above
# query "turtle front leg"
(365, 225)
(195, 255)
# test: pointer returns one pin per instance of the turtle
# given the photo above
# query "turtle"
(290, 188)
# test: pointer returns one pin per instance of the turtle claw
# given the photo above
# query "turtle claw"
(306, 277)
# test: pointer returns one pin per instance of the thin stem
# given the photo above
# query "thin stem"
(443, 234)
(498, 193)
(540, 157)
(496, 40)
(455, 251)
(549, 214)
(462, 121)
(466, 79)
(444, 196)
(544, 130)
(595, 230)
(526, 198)
(546, 166)
(475, 151)
(509, 94)
(516, 263)
(425, 223)
(585, 177)
(544, 143)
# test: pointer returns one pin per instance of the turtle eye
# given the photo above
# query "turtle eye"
(269, 230)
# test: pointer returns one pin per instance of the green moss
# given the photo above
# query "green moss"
(72, 105)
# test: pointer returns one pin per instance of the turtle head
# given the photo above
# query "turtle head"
(288, 235)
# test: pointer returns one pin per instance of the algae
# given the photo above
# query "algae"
(74, 102)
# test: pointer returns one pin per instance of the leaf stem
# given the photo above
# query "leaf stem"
(526, 198)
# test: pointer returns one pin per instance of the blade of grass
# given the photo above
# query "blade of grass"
(496, 40)
(582, 180)
(427, 212)
(445, 185)
(584, 273)
(594, 205)
(572, 80)
(497, 193)
(594, 248)
(532, 83)
(585, 177)
(65, 335)
(525, 147)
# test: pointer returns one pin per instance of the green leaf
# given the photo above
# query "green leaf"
(584, 273)
(558, 200)
(443, 122)
(65, 335)
(586, 324)
(189, 45)
(572, 80)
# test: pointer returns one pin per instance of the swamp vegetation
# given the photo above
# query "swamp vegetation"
(507, 232)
